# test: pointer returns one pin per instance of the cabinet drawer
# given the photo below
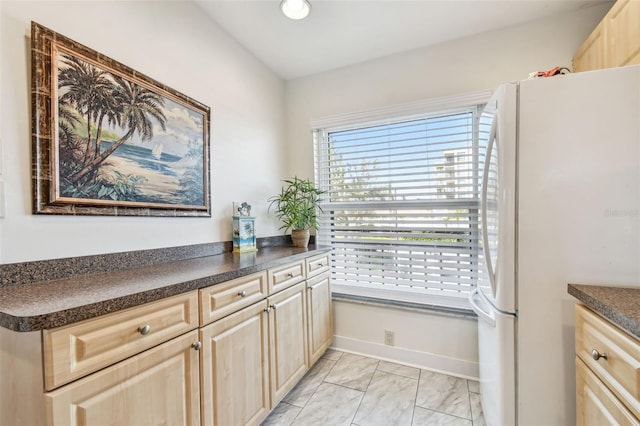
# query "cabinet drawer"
(226, 298)
(78, 349)
(620, 370)
(317, 264)
(285, 276)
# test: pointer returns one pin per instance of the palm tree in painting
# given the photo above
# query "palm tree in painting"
(120, 101)
(71, 147)
(89, 91)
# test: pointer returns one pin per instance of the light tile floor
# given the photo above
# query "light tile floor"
(352, 390)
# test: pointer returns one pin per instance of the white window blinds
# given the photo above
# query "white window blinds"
(401, 209)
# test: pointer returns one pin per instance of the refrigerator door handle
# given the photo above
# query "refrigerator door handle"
(482, 315)
(493, 135)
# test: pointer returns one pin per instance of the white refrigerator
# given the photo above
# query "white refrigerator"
(560, 204)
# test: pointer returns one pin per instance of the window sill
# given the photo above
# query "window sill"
(403, 305)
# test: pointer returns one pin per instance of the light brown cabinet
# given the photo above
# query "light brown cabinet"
(221, 355)
(287, 340)
(614, 42)
(597, 405)
(158, 386)
(319, 316)
(607, 372)
(253, 357)
(590, 56)
(235, 368)
(135, 366)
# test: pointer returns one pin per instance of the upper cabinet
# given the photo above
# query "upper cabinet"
(615, 42)
(590, 56)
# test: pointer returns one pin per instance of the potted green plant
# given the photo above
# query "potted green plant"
(296, 206)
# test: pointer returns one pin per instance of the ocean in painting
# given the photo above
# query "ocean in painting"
(161, 173)
(145, 157)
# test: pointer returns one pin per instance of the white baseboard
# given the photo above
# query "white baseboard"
(423, 360)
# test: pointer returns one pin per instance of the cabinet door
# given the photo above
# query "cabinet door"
(235, 380)
(319, 316)
(596, 405)
(623, 34)
(591, 55)
(157, 387)
(288, 340)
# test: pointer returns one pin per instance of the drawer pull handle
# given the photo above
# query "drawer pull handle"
(597, 355)
(197, 345)
(290, 275)
(320, 264)
(144, 329)
(242, 293)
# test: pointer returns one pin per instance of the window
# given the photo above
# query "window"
(401, 209)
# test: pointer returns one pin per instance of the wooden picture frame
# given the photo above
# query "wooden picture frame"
(108, 140)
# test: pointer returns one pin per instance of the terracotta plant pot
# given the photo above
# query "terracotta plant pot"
(300, 237)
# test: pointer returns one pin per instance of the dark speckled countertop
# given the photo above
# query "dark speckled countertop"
(33, 306)
(620, 305)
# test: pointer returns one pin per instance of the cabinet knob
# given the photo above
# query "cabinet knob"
(242, 293)
(273, 306)
(144, 329)
(320, 265)
(290, 275)
(268, 309)
(597, 355)
(197, 345)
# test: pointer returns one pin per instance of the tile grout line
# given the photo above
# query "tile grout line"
(469, 399)
(314, 391)
(398, 374)
(365, 392)
(444, 412)
(415, 401)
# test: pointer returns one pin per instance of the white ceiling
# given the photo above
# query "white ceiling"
(338, 33)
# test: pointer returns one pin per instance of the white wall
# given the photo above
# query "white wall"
(475, 63)
(436, 341)
(174, 43)
(465, 65)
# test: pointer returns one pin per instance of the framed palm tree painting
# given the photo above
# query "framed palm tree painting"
(108, 140)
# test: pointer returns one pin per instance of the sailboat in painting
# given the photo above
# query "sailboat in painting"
(157, 151)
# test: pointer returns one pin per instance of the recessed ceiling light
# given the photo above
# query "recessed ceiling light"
(295, 9)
